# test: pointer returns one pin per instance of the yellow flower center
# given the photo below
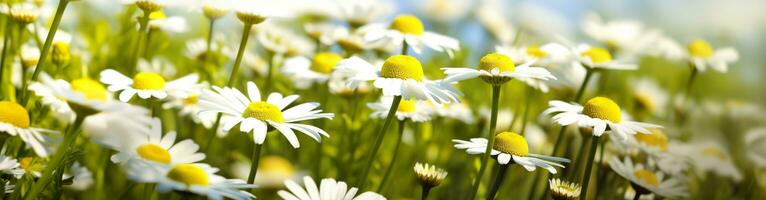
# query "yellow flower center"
(700, 48)
(496, 60)
(157, 15)
(191, 100)
(536, 52)
(644, 101)
(14, 114)
(92, 90)
(406, 106)
(656, 138)
(715, 152)
(402, 67)
(325, 61)
(276, 165)
(407, 24)
(647, 177)
(511, 143)
(263, 111)
(213, 12)
(188, 174)
(597, 55)
(148, 81)
(602, 108)
(154, 152)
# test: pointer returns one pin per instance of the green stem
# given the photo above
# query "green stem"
(426, 190)
(490, 142)
(637, 196)
(405, 47)
(242, 46)
(3, 74)
(254, 167)
(498, 181)
(46, 46)
(58, 158)
(269, 75)
(391, 165)
(586, 176)
(148, 191)
(530, 92)
(588, 75)
(143, 23)
(379, 140)
(690, 82)
(208, 50)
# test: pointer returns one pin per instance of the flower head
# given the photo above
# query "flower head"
(564, 190)
(429, 175)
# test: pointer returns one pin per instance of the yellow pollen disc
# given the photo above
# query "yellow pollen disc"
(92, 90)
(700, 48)
(263, 111)
(191, 100)
(148, 81)
(656, 138)
(154, 152)
(597, 55)
(277, 165)
(402, 67)
(188, 174)
(496, 60)
(715, 152)
(325, 61)
(647, 177)
(14, 114)
(407, 24)
(406, 106)
(511, 143)
(157, 15)
(602, 108)
(536, 52)
(645, 102)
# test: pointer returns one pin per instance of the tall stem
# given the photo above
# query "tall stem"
(391, 165)
(3, 74)
(143, 23)
(498, 181)
(46, 46)
(586, 176)
(254, 167)
(269, 74)
(424, 194)
(690, 82)
(240, 53)
(58, 158)
(637, 196)
(491, 140)
(405, 46)
(379, 140)
(581, 91)
(208, 50)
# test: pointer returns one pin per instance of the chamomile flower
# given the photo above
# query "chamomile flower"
(282, 41)
(597, 58)
(214, 9)
(10, 166)
(709, 156)
(146, 85)
(326, 33)
(14, 121)
(188, 106)
(546, 54)
(408, 30)
(512, 148)
(197, 48)
(417, 111)
(497, 69)
(755, 140)
(255, 115)
(195, 178)
(703, 56)
(81, 177)
(429, 175)
(597, 114)
(494, 20)
(273, 171)
(152, 147)
(459, 111)
(358, 13)
(337, 86)
(645, 181)
(563, 190)
(305, 72)
(622, 35)
(329, 189)
(650, 97)
(152, 5)
(399, 75)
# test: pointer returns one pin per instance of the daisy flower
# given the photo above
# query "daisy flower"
(512, 148)
(173, 24)
(305, 72)
(188, 106)
(417, 111)
(597, 114)
(358, 13)
(408, 30)
(458, 111)
(400, 75)
(329, 189)
(709, 156)
(650, 97)
(10, 166)
(497, 69)
(703, 56)
(563, 190)
(546, 54)
(146, 85)
(255, 115)
(325, 33)
(282, 41)
(755, 140)
(195, 178)
(151, 146)
(645, 181)
(337, 86)
(273, 171)
(214, 9)
(81, 177)
(14, 120)
(592, 58)
(429, 175)
(623, 35)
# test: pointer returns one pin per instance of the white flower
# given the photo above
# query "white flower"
(147, 85)
(458, 111)
(708, 156)
(282, 41)
(755, 139)
(417, 111)
(151, 146)
(10, 166)
(546, 54)
(195, 178)
(702, 55)
(400, 75)
(15, 122)
(598, 114)
(197, 48)
(644, 179)
(305, 72)
(493, 19)
(649, 96)
(174, 24)
(563, 189)
(597, 58)
(408, 29)
(445, 10)
(81, 177)
(255, 116)
(328, 189)
(625, 36)
(337, 85)
(428, 174)
(188, 106)
(159, 65)
(511, 148)
(272, 172)
(358, 13)
(497, 69)
(326, 33)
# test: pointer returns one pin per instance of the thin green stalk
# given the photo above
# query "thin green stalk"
(637, 196)
(498, 181)
(405, 47)
(208, 50)
(242, 46)
(46, 46)
(530, 92)
(391, 165)
(143, 23)
(600, 173)
(254, 167)
(148, 191)
(379, 140)
(57, 159)
(424, 193)
(3, 74)
(588, 75)
(269, 75)
(490, 142)
(586, 176)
